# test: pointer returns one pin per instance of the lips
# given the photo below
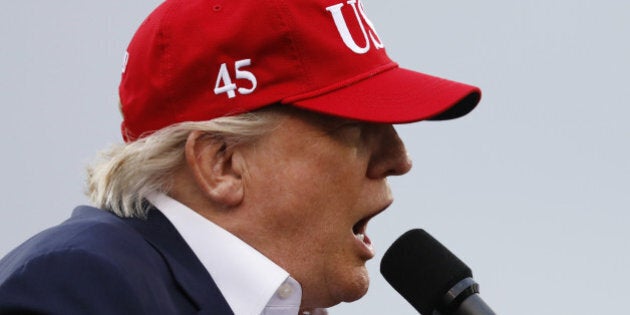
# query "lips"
(365, 245)
(359, 231)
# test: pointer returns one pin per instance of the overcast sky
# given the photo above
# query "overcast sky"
(531, 190)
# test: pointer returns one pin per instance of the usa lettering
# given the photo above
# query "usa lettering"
(369, 35)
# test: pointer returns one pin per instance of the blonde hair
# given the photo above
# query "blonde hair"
(122, 176)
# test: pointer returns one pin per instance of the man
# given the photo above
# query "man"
(258, 141)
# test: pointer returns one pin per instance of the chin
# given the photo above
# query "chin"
(354, 288)
(340, 285)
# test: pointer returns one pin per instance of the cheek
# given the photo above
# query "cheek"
(308, 205)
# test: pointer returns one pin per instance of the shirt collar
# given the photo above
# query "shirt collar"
(250, 282)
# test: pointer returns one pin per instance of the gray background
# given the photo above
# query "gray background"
(531, 189)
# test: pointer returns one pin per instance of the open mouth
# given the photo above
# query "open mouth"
(359, 230)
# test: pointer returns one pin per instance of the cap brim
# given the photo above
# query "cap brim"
(397, 96)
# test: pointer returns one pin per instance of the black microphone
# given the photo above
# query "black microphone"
(431, 278)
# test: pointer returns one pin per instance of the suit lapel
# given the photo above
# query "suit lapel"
(186, 267)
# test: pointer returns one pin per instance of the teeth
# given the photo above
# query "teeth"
(360, 236)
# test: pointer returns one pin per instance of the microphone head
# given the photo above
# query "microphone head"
(422, 270)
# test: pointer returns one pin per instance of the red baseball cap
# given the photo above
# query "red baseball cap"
(195, 60)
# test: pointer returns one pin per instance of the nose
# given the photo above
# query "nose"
(389, 157)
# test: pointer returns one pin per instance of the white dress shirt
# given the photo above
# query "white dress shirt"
(250, 282)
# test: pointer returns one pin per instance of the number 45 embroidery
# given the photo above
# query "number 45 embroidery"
(224, 82)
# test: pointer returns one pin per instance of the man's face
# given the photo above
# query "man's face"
(310, 187)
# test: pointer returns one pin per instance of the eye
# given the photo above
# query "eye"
(348, 131)
(351, 124)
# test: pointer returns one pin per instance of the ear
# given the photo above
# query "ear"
(211, 164)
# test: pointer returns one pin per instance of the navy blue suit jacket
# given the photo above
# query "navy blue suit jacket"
(98, 263)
